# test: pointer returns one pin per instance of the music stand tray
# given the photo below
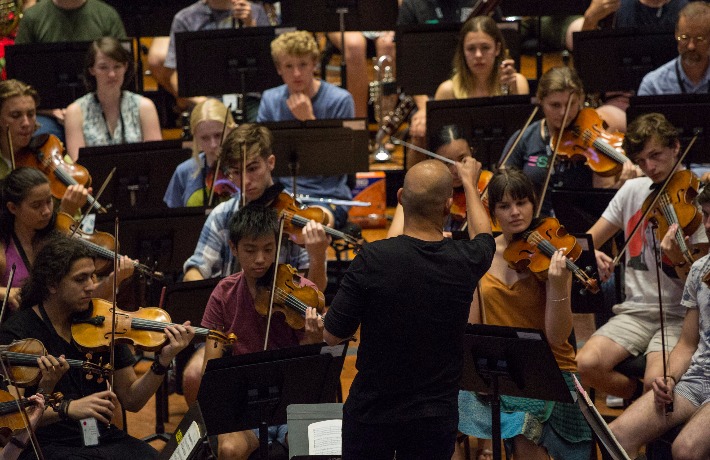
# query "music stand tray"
(510, 361)
(253, 391)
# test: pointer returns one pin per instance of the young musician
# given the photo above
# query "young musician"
(59, 291)
(686, 385)
(652, 143)
(534, 429)
(232, 308)
(20, 440)
(410, 358)
(304, 97)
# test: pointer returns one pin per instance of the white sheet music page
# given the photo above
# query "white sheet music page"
(325, 438)
(187, 443)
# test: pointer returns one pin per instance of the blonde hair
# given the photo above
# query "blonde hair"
(14, 88)
(462, 78)
(208, 110)
(298, 43)
(560, 79)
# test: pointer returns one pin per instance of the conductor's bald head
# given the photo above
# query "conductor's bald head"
(427, 189)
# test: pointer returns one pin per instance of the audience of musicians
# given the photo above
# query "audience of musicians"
(404, 400)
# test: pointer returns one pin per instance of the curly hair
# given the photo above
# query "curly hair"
(645, 127)
(298, 43)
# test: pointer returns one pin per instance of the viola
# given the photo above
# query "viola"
(101, 244)
(296, 217)
(534, 249)
(11, 418)
(142, 329)
(224, 188)
(21, 355)
(289, 298)
(46, 153)
(588, 138)
(676, 206)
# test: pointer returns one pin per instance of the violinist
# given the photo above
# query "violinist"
(232, 308)
(533, 153)
(403, 398)
(521, 299)
(652, 143)
(191, 183)
(59, 289)
(687, 382)
(212, 257)
(27, 222)
(449, 143)
(21, 439)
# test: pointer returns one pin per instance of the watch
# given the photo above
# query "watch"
(157, 367)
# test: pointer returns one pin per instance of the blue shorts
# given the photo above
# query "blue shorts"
(276, 433)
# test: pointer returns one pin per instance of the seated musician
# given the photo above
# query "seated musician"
(20, 440)
(652, 143)
(191, 184)
(232, 307)
(506, 297)
(27, 221)
(109, 114)
(686, 384)
(304, 97)
(533, 153)
(61, 287)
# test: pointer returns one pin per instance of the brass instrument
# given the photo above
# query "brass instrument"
(10, 15)
(391, 123)
(383, 91)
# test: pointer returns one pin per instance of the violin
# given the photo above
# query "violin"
(224, 188)
(458, 206)
(676, 206)
(100, 243)
(143, 328)
(290, 298)
(21, 355)
(11, 418)
(587, 137)
(534, 249)
(296, 216)
(46, 153)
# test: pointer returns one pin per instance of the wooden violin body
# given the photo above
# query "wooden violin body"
(588, 138)
(142, 329)
(290, 298)
(11, 419)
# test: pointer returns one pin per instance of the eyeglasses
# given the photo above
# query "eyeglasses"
(685, 39)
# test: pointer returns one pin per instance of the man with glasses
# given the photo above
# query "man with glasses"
(689, 73)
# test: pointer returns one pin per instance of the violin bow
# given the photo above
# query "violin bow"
(510, 151)
(11, 148)
(551, 165)
(421, 150)
(96, 200)
(219, 157)
(273, 282)
(243, 174)
(112, 352)
(26, 419)
(655, 200)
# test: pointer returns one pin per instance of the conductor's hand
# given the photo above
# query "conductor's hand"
(241, 10)
(469, 169)
(314, 327)
(417, 126)
(179, 336)
(98, 405)
(300, 106)
(663, 390)
(605, 264)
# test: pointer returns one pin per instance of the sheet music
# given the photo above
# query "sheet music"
(325, 438)
(188, 442)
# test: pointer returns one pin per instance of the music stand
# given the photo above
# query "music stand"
(190, 438)
(685, 112)
(510, 361)
(319, 147)
(487, 122)
(618, 59)
(143, 171)
(253, 391)
(216, 62)
(435, 44)
(55, 70)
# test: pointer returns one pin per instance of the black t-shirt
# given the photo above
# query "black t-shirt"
(634, 14)
(74, 384)
(412, 300)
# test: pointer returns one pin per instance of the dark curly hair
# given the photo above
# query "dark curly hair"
(645, 127)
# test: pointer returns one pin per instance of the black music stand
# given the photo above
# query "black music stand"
(435, 45)
(55, 70)
(618, 59)
(487, 122)
(143, 171)
(252, 391)
(190, 438)
(685, 112)
(510, 361)
(319, 147)
(216, 62)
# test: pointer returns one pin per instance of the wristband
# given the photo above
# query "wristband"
(157, 367)
(19, 444)
(63, 410)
